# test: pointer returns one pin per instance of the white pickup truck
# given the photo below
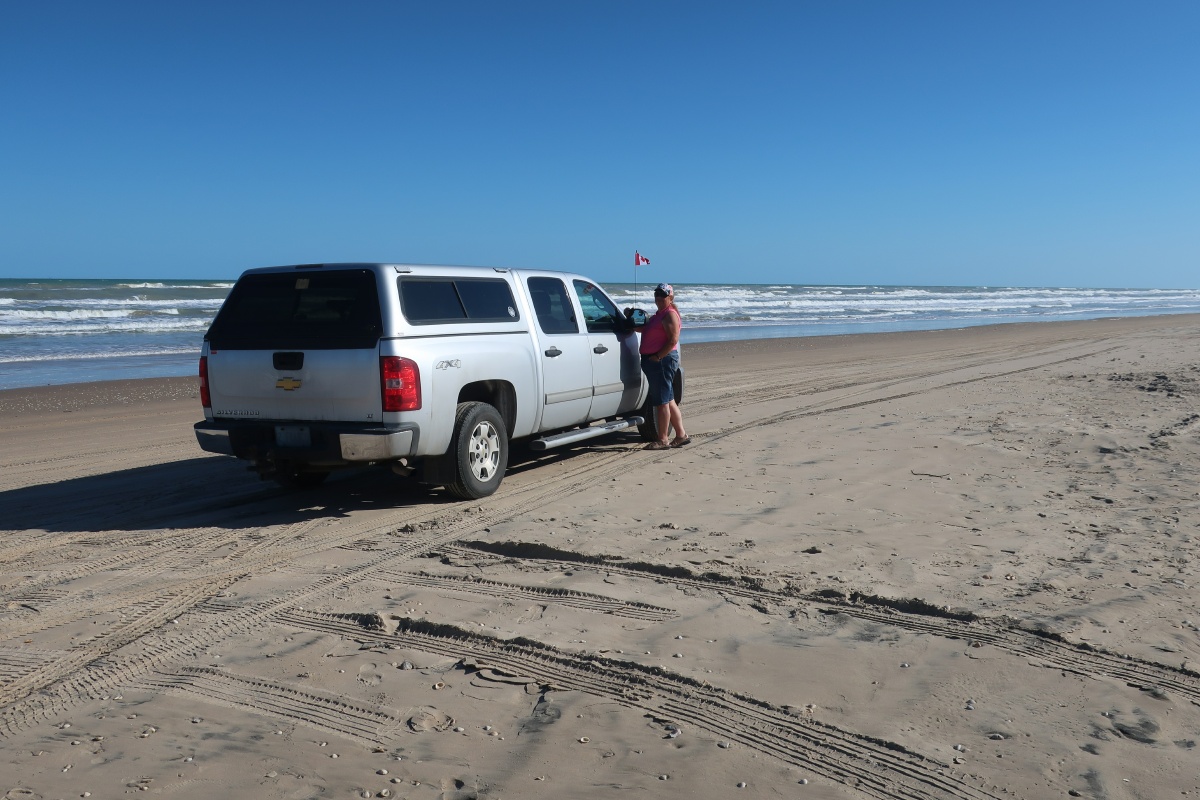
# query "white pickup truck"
(432, 369)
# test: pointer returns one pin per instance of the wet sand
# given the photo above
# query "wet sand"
(947, 564)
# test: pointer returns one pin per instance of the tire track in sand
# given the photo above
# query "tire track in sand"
(874, 767)
(1055, 651)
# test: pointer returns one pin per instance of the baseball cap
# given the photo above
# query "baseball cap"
(664, 289)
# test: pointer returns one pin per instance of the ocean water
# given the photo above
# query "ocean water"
(69, 331)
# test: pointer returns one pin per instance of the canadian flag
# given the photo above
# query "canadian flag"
(639, 259)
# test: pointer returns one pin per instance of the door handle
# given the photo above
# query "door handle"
(553, 352)
(598, 349)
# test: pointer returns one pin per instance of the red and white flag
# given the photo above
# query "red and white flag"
(639, 259)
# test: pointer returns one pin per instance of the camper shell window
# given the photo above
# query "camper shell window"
(336, 310)
(444, 301)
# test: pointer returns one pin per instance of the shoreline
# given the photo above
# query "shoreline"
(116, 329)
(66, 397)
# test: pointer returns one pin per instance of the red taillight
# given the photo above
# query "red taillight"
(401, 382)
(205, 398)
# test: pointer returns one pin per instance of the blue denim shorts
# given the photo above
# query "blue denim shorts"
(661, 375)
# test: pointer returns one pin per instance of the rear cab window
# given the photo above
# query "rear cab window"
(299, 310)
(446, 301)
(552, 305)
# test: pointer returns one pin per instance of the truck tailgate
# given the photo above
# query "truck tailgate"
(330, 385)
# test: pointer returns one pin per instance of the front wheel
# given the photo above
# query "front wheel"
(479, 450)
(649, 428)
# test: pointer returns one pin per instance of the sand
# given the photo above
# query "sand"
(955, 564)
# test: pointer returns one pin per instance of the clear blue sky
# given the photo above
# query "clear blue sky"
(842, 141)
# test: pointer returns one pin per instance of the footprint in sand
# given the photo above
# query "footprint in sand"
(429, 719)
(370, 675)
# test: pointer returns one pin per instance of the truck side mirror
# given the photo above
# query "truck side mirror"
(636, 316)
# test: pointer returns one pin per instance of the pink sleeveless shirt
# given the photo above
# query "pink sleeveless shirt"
(654, 335)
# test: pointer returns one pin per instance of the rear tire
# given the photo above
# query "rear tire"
(479, 451)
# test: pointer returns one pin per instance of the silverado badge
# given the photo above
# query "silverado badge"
(287, 384)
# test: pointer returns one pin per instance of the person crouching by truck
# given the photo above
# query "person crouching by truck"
(660, 361)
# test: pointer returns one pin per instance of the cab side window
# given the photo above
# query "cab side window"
(552, 305)
(598, 311)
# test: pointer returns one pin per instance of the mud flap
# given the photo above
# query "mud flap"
(438, 470)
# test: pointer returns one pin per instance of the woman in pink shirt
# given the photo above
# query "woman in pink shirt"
(660, 362)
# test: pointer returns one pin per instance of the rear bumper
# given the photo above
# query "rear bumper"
(315, 443)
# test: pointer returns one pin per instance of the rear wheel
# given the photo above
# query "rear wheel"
(479, 450)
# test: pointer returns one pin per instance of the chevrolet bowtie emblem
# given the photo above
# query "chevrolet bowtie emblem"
(287, 384)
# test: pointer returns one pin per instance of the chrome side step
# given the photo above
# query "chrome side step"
(591, 432)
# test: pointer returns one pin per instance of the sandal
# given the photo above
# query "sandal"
(657, 446)
(681, 442)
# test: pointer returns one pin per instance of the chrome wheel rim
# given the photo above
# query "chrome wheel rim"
(484, 452)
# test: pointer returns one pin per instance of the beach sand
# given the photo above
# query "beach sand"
(948, 564)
